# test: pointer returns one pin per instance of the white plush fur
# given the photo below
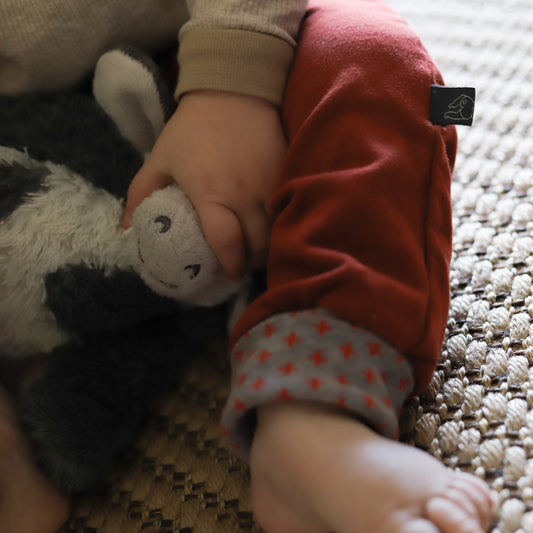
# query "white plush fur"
(127, 92)
(69, 222)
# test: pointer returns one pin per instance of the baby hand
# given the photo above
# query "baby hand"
(225, 150)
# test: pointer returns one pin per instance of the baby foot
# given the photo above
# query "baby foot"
(316, 470)
(28, 501)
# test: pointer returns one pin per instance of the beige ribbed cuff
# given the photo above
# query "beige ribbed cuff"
(239, 61)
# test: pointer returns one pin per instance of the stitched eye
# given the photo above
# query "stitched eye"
(165, 223)
(195, 270)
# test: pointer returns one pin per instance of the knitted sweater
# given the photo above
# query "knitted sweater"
(241, 46)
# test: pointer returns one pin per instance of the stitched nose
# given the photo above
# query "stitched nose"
(195, 270)
(165, 223)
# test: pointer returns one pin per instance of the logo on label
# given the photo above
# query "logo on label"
(452, 105)
(462, 108)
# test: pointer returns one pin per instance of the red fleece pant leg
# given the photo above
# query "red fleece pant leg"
(361, 213)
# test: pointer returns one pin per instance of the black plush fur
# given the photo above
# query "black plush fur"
(16, 184)
(70, 129)
(83, 412)
(86, 301)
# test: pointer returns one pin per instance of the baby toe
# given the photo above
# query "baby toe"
(474, 492)
(420, 525)
(449, 517)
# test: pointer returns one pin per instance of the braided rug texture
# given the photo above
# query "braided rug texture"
(478, 413)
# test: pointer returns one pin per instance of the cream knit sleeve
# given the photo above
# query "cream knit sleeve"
(243, 46)
(50, 45)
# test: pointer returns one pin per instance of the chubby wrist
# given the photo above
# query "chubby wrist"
(233, 112)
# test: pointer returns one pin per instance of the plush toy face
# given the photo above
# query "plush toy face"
(173, 257)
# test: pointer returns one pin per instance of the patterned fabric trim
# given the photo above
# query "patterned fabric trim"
(314, 356)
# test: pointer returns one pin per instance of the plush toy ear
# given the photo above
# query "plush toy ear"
(130, 88)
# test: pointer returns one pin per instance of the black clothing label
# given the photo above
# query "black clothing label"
(452, 105)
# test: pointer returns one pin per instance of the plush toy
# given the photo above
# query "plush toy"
(113, 314)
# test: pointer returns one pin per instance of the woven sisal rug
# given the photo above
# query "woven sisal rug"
(478, 413)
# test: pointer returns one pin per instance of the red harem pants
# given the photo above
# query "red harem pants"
(358, 271)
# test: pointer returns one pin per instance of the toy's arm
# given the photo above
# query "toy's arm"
(88, 301)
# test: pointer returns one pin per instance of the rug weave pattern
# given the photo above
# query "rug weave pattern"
(478, 412)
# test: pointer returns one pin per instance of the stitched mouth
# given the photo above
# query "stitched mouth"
(141, 258)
